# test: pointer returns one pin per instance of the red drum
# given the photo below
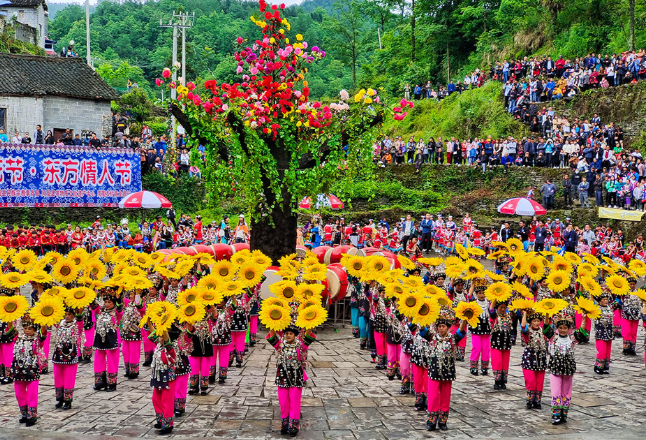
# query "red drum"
(272, 278)
(201, 248)
(185, 251)
(237, 247)
(334, 255)
(320, 252)
(301, 251)
(370, 251)
(165, 251)
(221, 251)
(394, 263)
(337, 281)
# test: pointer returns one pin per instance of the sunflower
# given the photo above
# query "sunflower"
(204, 259)
(443, 301)
(133, 271)
(494, 276)
(307, 304)
(24, 259)
(285, 290)
(561, 264)
(461, 251)
(189, 295)
(191, 313)
(521, 304)
(224, 269)
(498, 292)
(39, 276)
(306, 291)
(392, 276)
(315, 272)
(587, 307)
(470, 311)
(209, 282)
(589, 285)
(260, 259)
(95, 270)
(119, 268)
(572, 258)
(311, 317)
(210, 297)
(476, 251)
(558, 280)
(79, 297)
(499, 244)
(139, 283)
(496, 255)
(12, 307)
(617, 284)
(289, 272)
(184, 266)
(377, 263)
(121, 256)
(274, 317)
(395, 290)
(231, 288)
(522, 290)
(13, 280)
(143, 260)
(587, 270)
(65, 271)
(520, 266)
(165, 321)
(409, 303)
(473, 266)
(168, 273)
(56, 291)
(455, 270)
(535, 269)
(77, 258)
(249, 274)
(405, 262)
(427, 312)
(311, 259)
(273, 301)
(474, 275)
(48, 311)
(414, 282)
(515, 246)
(639, 293)
(637, 266)
(432, 290)
(591, 258)
(550, 306)
(40, 264)
(431, 262)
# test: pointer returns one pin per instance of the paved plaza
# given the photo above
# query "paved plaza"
(346, 398)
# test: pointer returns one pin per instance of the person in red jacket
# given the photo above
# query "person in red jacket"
(198, 230)
(45, 241)
(34, 243)
(23, 240)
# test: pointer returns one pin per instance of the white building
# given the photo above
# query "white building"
(31, 13)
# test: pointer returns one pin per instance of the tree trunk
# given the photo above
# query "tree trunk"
(275, 240)
(412, 32)
(632, 25)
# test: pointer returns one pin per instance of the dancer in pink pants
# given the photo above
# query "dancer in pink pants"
(289, 375)
(254, 302)
(182, 344)
(163, 382)
(603, 335)
(151, 297)
(221, 334)
(67, 346)
(534, 360)
(88, 332)
(500, 344)
(630, 314)
(442, 351)
(131, 334)
(419, 364)
(200, 357)
(394, 334)
(379, 312)
(8, 335)
(406, 367)
(239, 322)
(480, 334)
(106, 341)
(25, 369)
(457, 294)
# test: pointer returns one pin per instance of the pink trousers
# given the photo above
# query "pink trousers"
(480, 347)
(181, 386)
(149, 346)
(65, 376)
(6, 354)
(534, 379)
(604, 349)
(253, 324)
(290, 402)
(48, 338)
(500, 359)
(616, 319)
(439, 395)
(237, 341)
(393, 352)
(200, 365)
(380, 343)
(404, 367)
(577, 321)
(420, 378)
(463, 341)
(629, 329)
(26, 393)
(89, 337)
(221, 353)
(109, 358)
(131, 352)
(561, 387)
(164, 403)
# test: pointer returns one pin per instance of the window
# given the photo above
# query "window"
(3, 119)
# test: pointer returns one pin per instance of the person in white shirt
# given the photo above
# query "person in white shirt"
(16, 139)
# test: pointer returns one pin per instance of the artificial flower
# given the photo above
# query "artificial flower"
(24, 259)
(12, 307)
(469, 311)
(311, 317)
(79, 297)
(48, 311)
(274, 317)
(558, 280)
(587, 307)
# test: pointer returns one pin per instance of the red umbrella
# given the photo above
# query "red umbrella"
(322, 201)
(145, 199)
(521, 206)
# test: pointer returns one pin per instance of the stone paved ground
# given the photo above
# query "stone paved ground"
(346, 398)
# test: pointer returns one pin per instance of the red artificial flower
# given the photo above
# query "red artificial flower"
(239, 40)
(158, 82)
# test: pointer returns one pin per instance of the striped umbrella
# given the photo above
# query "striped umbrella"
(521, 206)
(146, 200)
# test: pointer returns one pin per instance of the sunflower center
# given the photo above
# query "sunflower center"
(79, 294)
(190, 311)
(164, 319)
(250, 275)
(410, 301)
(65, 271)
(14, 278)
(24, 259)
(307, 293)
(208, 296)
(275, 314)
(223, 272)
(398, 289)
(279, 304)
(424, 310)
(549, 304)
(47, 311)
(191, 298)
(231, 287)
(10, 307)
(288, 292)
(309, 315)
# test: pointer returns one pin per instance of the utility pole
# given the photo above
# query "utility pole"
(180, 22)
(87, 31)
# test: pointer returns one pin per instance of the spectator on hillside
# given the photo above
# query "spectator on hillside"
(77, 141)
(16, 139)
(66, 138)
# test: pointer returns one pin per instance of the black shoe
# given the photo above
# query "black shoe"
(529, 405)
(99, 387)
(496, 385)
(59, 404)
(157, 425)
(598, 370)
(391, 377)
(67, 405)
(238, 364)
(23, 420)
(31, 422)
(7, 381)
(192, 392)
(503, 386)
(147, 364)
(166, 431)
(221, 380)
(211, 379)
(485, 372)
(563, 417)
(202, 393)
(111, 388)
(178, 413)
(284, 429)
(474, 372)
(292, 432)
(442, 426)
(127, 375)
(537, 405)
(556, 419)
(431, 426)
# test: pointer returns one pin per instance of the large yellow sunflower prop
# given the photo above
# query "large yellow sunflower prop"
(520, 266)
(274, 317)
(223, 269)
(455, 270)
(249, 275)
(209, 282)
(271, 301)
(191, 313)
(587, 270)
(311, 317)
(210, 297)
(475, 251)
(494, 276)
(431, 262)
(95, 270)
(461, 251)
(442, 301)
(143, 260)
(639, 293)
(590, 285)
(392, 276)
(561, 264)
(396, 290)
(48, 311)
(535, 269)
(409, 303)
(309, 292)
(65, 271)
(168, 273)
(587, 307)
(470, 311)
(184, 266)
(522, 289)
(414, 282)
(427, 313)
(231, 288)
(637, 266)
(189, 296)
(315, 272)
(13, 280)
(240, 258)
(285, 290)
(514, 245)
(522, 304)
(617, 284)
(433, 291)
(79, 297)
(550, 306)
(498, 292)
(39, 276)
(405, 262)
(138, 283)
(56, 291)
(377, 263)
(591, 258)
(12, 307)
(558, 280)
(261, 260)
(24, 259)
(572, 258)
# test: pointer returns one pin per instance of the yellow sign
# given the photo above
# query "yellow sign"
(621, 214)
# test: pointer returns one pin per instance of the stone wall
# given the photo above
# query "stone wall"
(19, 31)
(35, 18)
(23, 114)
(80, 115)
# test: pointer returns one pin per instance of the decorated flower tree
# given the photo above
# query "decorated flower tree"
(266, 141)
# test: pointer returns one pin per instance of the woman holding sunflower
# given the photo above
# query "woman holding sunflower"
(67, 343)
(480, 334)
(163, 378)
(107, 340)
(200, 357)
(534, 360)
(630, 313)
(221, 334)
(290, 374)
(500, 343)
(134, 310)
(419, 362)
(241, 307)
(394, 334)
(153, 295)
(8, 335)
(380, 325)
(458, 294)
(603, 334)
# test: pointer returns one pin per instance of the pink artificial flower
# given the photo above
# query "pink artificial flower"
(197, 100)
(166, 73)
(158, 82)
(239, 40)
(190, 86)
(239, 70)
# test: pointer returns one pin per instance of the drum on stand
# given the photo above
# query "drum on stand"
(221, 251)
(272, 277)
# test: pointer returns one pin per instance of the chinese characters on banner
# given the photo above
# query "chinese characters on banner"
(48, 176)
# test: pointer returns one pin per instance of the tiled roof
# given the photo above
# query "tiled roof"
(28, 75)
(29, 3)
